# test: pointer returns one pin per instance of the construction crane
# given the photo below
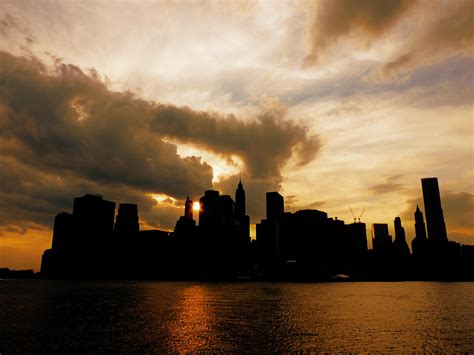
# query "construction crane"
(357, 218)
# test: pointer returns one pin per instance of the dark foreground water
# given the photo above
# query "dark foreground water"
(47, 316)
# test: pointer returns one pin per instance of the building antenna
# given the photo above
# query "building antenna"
(353, 216)
(356, 218)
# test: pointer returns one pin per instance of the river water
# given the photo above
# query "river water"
(66, 316)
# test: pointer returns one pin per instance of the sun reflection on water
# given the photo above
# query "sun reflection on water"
(190, 327)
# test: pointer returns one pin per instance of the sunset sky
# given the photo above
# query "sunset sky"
(333, 103)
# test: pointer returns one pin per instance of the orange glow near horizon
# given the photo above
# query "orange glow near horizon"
(196, 206)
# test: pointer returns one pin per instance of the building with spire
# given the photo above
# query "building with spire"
(188, 208)
(240, 211)
(420, 228)
(419, 243)
(240, 200)
(400, 246)
(185, 226)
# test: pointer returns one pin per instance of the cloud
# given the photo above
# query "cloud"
(265, 144)
(409, 34)
(316, 204)
(64, 133)
(336, 19)
(389, 185)
(447, 31)
(69, 121)
(7, 22)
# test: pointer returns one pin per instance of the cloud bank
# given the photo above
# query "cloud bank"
(64, 133)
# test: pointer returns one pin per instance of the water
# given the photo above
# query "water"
(48, 316)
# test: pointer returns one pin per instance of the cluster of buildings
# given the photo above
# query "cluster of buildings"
(94, 243)
(305, 245)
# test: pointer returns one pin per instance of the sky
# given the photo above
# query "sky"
(336, 104)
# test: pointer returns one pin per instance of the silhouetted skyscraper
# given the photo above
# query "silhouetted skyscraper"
(127, 219)
(275, 206)
(63, 227)
(400, 243)
(420, 229)
(185, 226)
(433, 210)
(210, 208)
(240, 200)
(226, 208)
(381, 240)
(240, 215)
(419, 244)
(358, 238)
(188, 208)
(94, 215)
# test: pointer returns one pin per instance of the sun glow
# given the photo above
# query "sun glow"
(163, 199)
(222, 167)
(196, 206)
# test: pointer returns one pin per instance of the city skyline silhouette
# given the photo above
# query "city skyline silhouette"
(332, 114)
(213, 176)
(304, 245)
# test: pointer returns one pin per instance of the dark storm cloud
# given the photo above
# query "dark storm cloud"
(63, 133)
(30, 196)
(339, 18)
(71, 122)
(265, 144)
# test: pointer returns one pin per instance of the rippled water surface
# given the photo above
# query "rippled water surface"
(45, 316)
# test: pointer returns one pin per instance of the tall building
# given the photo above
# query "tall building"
(419, 244)
(240, 215)
(63, 227)
(420, 229)
(275, 206)
(240, 200)
(357, 238)
(188, 208)
(381, 240)
(127, 219)
(93, 215)
(400, 245)
(209, 215)
(226, 208)
(185, 226)
(433, 210)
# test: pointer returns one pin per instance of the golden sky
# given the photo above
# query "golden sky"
(335, 104)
